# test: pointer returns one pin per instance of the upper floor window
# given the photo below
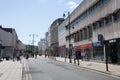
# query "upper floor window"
(101, 23)
(81, 35)
(109, 19)
(75, 37)
(85, 33)
(117, 15)
(89, 31)
(95, 25)
(78, 36)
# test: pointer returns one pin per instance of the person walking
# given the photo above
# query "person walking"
(74, 57)
(14, 56)
(78, 56)
(83, 55)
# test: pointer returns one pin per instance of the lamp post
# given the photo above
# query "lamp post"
(33, 41)
(70, 55)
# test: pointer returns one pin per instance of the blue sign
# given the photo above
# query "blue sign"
(97, 44)
(100, 37)
(74, 47)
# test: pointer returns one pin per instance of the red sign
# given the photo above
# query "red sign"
(84, 46)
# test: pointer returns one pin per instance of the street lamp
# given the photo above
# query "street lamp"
(33, 41)
(70, 55)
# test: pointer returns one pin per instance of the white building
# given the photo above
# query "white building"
(93, 17)
(42, 46)
(62, 39)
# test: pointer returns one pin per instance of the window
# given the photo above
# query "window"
(72, 36)
(117, 15)
(67, 38)
(95, 25)
(101, 23)
(81, 35)
(85, 33)
(89, 11)
(66, 27)
(75, 40)
(89, 31)
(77, 36)
(109, 19)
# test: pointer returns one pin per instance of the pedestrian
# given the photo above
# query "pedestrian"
(74, 57)
(27, 56)
(78, 56)
(36, 55)
(18, 56)
(14, 56)
(87, 55)
(83, 55)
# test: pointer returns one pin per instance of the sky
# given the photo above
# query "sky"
(30, 17)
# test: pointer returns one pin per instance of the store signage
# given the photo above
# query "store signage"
(112, 41)
(97, 44)
(84, 46)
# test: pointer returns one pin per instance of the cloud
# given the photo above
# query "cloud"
(72, 4)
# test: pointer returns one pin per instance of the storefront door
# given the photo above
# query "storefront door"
(113, 54)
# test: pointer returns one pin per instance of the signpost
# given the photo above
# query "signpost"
(101, 39)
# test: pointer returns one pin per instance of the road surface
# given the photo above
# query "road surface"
(48, 69)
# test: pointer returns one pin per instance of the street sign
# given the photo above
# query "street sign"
(100, 37)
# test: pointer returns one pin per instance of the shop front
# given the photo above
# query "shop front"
(85, 51)
(113, 50)
(62, 51)
(98, 52)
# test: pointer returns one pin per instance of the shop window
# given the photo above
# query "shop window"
(109, 19)
(117, 15)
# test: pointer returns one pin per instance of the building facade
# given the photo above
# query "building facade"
(54, 36)
(42, 46)
(90, 19)
(8, 37)
(62, 39)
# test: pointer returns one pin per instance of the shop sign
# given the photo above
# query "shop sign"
(97, 44)
(112, 41)
(84, 46)
(74, 47)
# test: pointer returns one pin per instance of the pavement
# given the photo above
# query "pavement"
(114, 70)
(25, 72)
(10, 70)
